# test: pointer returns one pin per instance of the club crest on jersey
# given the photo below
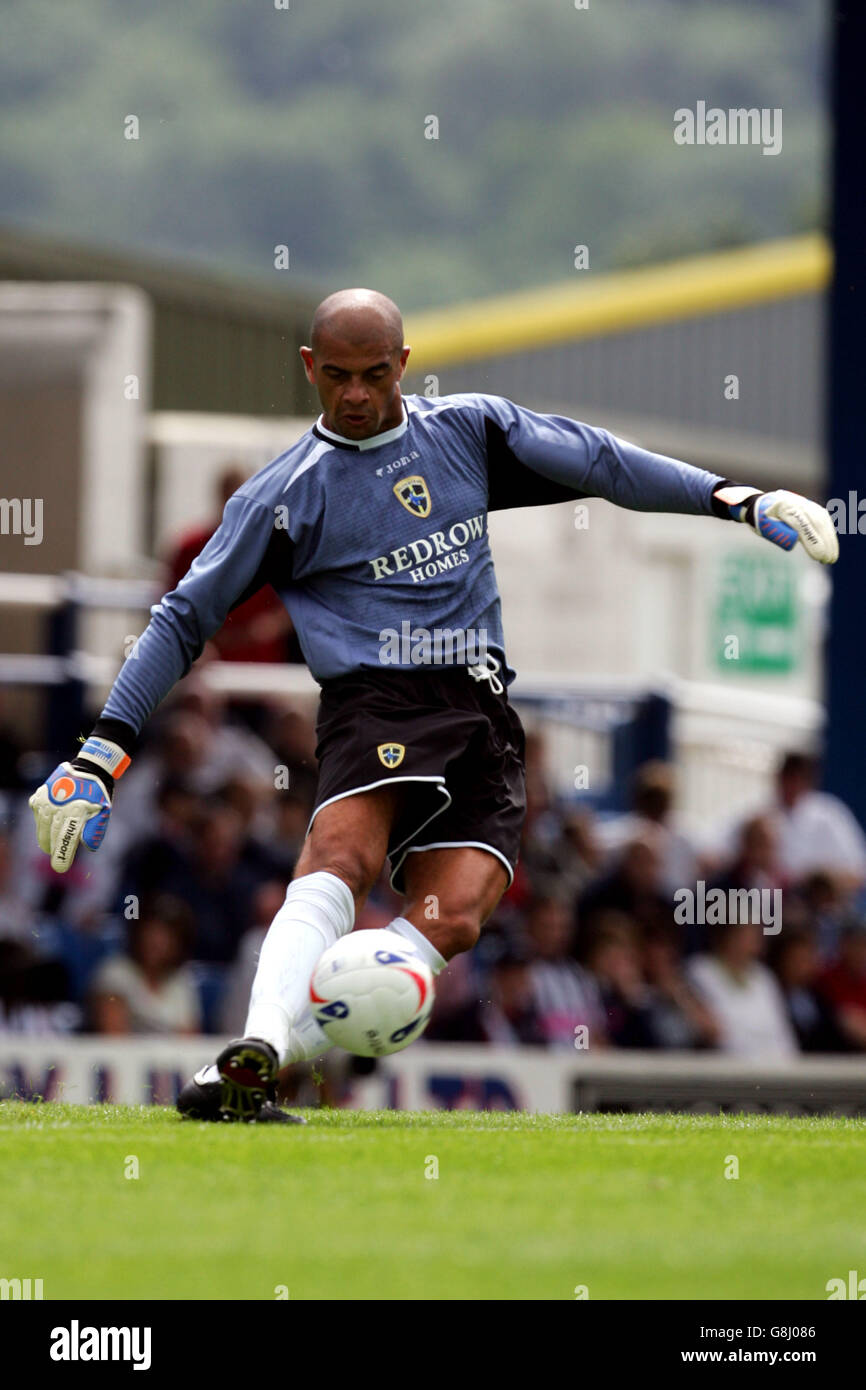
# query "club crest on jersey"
(391, 754)
(414, 494)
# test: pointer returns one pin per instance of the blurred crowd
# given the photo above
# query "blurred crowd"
(621, 932)
(611, 935)
(617, 932)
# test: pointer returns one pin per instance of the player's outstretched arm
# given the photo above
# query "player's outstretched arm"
(73, 805)
(533, 459)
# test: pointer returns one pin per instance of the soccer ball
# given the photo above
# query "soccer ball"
(372, 993)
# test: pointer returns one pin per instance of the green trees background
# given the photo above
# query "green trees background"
(305, 126)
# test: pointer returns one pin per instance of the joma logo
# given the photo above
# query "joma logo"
(401, 462)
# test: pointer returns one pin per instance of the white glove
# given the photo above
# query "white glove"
(73, 806)
(784, 518)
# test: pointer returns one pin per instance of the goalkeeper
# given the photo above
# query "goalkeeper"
(375, 524)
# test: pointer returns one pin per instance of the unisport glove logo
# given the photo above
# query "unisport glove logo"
(68, 838)
(62, 789)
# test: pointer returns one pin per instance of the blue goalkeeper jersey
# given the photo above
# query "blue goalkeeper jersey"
(388, 535)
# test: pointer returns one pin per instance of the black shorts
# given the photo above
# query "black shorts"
(456, 746)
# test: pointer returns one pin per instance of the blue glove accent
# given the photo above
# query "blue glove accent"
(94, 831)
(769, 527)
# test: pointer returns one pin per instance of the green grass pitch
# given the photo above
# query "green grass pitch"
(524, 1206)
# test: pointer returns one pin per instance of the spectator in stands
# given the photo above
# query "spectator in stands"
(509, 1016)
(253, 804)
(267, 901)
(34, 992)
(177, 749)
(756, 862)
(162, 856)
(217, 882)
(502, 1009)
(457, 995)
(678, 1017)
(631, 887)
(291, 816)
(843, 985)
(613, 962)
(16, 916)
(541, 825)
(755, 865)
(653, 797)
(539, 800)
(259, 629)
(565, 997)
(292, 736)
(565, 865)
(189, 746)
(150, 989)
(232, 748)
(794, 959)
(826, 902)
(816, 830)
(11, 753)
(743, 995)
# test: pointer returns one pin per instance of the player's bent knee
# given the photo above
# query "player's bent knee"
(356, 872)
(357, 869)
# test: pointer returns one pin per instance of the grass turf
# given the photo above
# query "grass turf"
(524, 1206)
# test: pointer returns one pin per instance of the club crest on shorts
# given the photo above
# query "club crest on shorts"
(414, 495)
(391, 754)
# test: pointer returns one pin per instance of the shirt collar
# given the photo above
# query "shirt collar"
(374, 442)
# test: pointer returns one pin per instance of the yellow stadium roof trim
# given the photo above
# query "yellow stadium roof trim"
(617, 301)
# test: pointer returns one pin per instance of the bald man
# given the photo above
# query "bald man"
(373, 530)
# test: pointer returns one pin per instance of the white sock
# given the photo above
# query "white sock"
(426, 950)
(318, 910)
(307, 1039)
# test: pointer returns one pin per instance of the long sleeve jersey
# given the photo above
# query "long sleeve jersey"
(359, 538)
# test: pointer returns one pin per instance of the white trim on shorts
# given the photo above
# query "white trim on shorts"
(454, 844)
(384, 781)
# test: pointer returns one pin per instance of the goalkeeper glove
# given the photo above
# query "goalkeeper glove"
(783, 518)
(73, 806)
